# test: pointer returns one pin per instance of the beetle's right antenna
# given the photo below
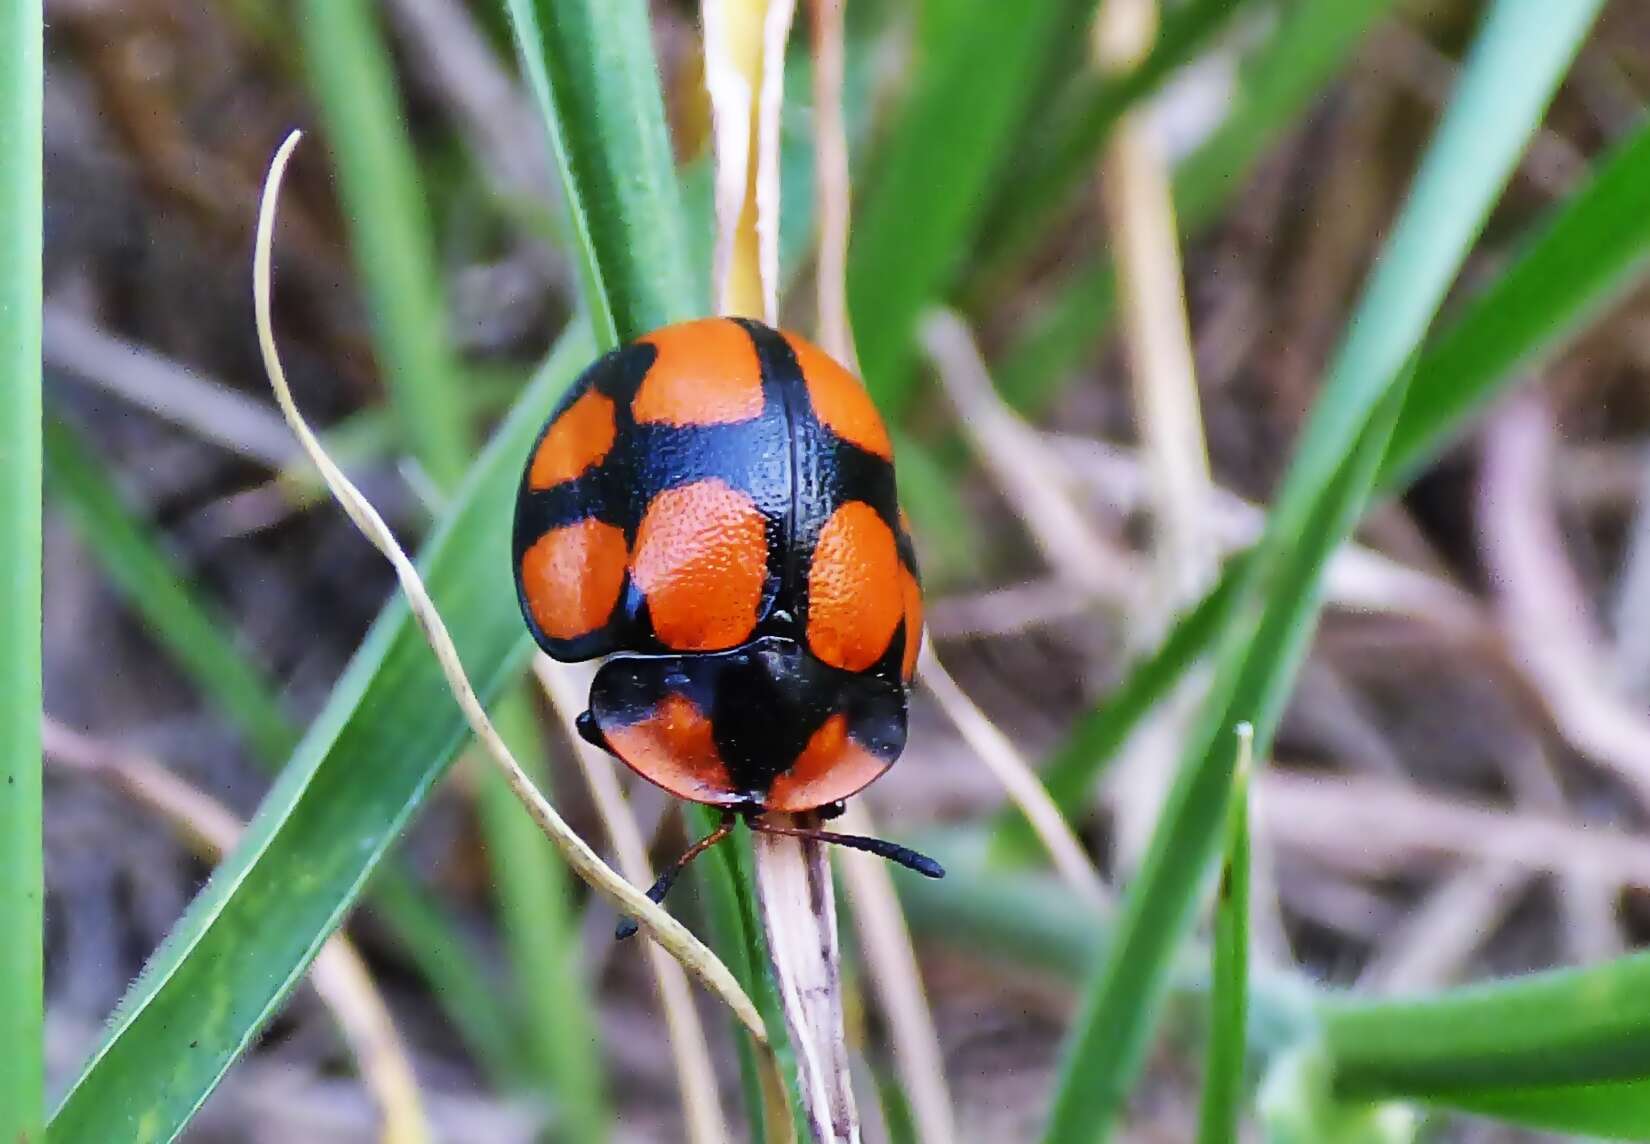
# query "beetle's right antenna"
(893, 851)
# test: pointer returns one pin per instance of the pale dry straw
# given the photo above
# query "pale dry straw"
(886, 949)
(744, 74)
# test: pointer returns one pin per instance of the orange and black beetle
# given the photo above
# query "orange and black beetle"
(713, 507)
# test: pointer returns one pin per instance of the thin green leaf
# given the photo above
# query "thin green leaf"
(1613, 1110)
(1310, 47)
(153, 585)
(179, 616)
(1561, 1027)
(943, 155)
(1263, 647)
(384, 738)
(1077, 764)
(1592, 247)
(22, 69)
(1024, 919)
(383, 201)
(1054, 173)
(591, 67)
(1515, 65)
(1567, 1050)
(1229, 993)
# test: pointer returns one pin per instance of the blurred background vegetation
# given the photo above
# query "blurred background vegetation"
(1459, 782)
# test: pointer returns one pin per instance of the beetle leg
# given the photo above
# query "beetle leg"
(627, 926)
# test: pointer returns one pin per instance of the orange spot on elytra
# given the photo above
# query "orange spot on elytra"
(912, 592)
(706, 374)
(675, 748)
(701, 560)
(832, 766)
(575, 441)
(571, 577)
(840, 400)
(855, 599)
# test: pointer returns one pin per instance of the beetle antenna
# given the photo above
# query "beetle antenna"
(892, 851)
(661, 886)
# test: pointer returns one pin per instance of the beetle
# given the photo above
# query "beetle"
(712, 507)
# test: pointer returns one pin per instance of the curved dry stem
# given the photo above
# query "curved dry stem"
(339, 976)
(167, 389)
(1550, 627)
(1020, 782)
(1378, 828)
(701, 1110)
(1028, 475)
(666, 930)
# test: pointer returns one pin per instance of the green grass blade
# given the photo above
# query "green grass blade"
(1310, 47)
(590, 64)
(22, 66)
(1263, 648)
(181, 619)
(1612, 1110)
(1506, 82)
(1054, 173)
(1229, 990)
(1297, 1105)
(940, 163)
(1568, 1049)
(383, 201)
(1077, 764)
(1515, 65)
(153, 585)
(1592, 247)
(1024, 919)
(383, 740)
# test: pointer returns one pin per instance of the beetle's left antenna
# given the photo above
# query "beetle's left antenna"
(661, 886)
